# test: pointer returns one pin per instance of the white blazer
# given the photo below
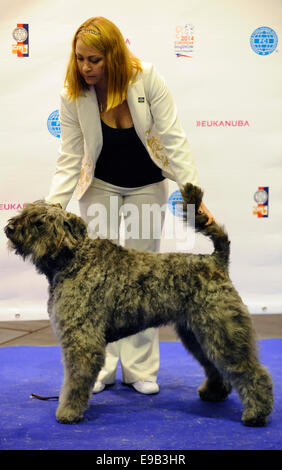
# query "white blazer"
(155, 120)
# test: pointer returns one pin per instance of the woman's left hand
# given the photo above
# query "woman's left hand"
(203, 209)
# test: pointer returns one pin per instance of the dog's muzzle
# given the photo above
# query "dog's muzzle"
(9, 230)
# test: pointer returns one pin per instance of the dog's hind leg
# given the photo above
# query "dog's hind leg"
(254, 387)
(226, 335)
(83, 359)
(214, 388)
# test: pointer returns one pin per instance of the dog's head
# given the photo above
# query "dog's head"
(43, 231)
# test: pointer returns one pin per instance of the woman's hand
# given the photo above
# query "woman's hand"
(204, 210)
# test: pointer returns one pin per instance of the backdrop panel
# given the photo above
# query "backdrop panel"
(222, 62)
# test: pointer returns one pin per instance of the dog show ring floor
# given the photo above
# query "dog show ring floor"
(120, 418)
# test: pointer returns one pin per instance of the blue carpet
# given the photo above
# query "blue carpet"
(121, 419)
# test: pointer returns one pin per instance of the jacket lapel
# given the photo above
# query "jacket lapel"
(137, 105)
(89, 117)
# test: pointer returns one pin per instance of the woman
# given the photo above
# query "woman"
(120, 140)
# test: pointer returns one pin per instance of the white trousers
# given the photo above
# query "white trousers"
(101, 208)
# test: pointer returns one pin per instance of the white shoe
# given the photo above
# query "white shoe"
(145, 386)
(98, 387)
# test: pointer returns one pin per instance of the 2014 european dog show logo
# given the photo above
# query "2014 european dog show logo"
(53, 124)
(261, 197)
(21, 36)
(184, 41)
(264, 40)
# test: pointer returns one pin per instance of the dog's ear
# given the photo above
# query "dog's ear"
(70, 230)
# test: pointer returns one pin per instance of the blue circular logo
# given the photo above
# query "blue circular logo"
(175, 203)
(53, 124)
(264, 40)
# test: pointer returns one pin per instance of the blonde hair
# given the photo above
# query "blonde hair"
(121, 65)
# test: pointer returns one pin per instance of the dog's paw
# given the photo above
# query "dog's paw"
(250, 418)
(215, 391)
(68, 415)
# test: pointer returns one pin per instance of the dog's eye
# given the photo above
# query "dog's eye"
(38, 223)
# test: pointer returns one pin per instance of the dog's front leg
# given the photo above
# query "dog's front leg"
(81, 367)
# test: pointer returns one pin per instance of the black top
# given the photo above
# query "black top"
(124, 161)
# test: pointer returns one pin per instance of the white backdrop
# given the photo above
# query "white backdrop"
(228, 98)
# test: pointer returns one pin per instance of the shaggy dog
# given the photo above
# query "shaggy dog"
(101, 292)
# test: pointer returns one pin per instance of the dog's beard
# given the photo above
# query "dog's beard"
(11, 246)
(17, 249)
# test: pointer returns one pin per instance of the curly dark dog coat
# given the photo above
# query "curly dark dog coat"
(101, 292)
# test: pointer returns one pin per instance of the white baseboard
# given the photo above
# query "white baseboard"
(24, 314)
(36, 313)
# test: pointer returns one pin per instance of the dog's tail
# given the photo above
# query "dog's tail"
(193, 195)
